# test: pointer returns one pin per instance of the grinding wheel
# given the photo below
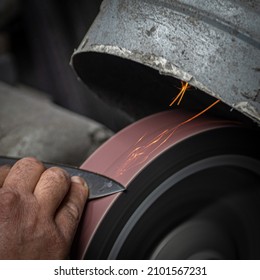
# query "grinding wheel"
(192, 192)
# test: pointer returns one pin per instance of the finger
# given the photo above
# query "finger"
(24, 175)
(4, 170)
(51, 189)
(69, 214)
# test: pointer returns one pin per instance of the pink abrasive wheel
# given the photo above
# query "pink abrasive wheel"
(192, 192)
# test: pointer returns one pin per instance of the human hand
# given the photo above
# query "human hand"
(39, 210)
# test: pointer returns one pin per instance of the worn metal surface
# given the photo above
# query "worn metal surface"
(213, 45)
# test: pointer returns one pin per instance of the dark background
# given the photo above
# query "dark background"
(37, 39)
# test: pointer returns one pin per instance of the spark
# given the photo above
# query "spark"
(141, 153)
(184, 87)
(200, 113)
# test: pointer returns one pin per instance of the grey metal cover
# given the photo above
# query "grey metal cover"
(213, 45)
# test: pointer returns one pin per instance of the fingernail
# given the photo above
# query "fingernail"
(79, 180)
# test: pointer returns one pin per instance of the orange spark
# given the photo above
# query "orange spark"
(184, 87)
(200, 113)
(141, 153)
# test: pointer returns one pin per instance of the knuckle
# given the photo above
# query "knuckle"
(30, 162)
(9, 200)
(57, 174)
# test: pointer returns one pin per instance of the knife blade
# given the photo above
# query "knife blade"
(99, 185)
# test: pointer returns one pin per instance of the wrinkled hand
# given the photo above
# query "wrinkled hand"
(39, 210)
